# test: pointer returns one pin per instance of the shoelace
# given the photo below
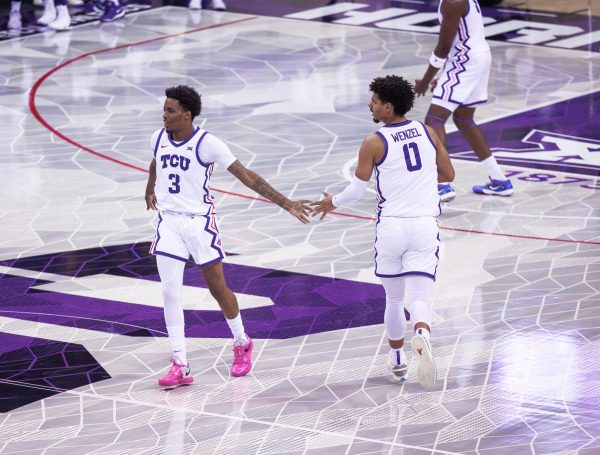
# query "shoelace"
(240, 353)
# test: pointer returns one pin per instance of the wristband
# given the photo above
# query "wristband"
(437, 62)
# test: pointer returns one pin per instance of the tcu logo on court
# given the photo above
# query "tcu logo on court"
(558, 152)
(175, 161)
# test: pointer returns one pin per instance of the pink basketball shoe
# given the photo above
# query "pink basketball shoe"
(177, 375)
(242, 358)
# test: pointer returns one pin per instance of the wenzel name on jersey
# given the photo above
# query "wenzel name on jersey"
(405, 135)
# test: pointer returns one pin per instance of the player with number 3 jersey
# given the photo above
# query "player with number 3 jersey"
(178, 187)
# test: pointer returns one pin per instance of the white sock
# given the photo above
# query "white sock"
(422, 331)
(177, 340)
(237, 328)
(398, 356)
(15, 7)
(493, 170)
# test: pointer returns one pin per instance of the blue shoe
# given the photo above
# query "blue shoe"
(446, 192)
(495, 187)
(94, 7)
(112, 12)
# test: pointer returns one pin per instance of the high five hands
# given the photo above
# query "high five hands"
(302, 208)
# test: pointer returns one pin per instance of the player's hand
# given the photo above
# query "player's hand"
(300, 210)
(324, 206)
(420, 87)
(433, 84)
(151, 201)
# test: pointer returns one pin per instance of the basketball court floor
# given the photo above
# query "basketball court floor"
(516, 332)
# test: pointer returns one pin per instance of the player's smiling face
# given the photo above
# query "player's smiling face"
(379, 109)
(175, 118)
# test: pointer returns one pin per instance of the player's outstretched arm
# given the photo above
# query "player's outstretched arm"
(252, 180)
(150, 195)
(371, 148)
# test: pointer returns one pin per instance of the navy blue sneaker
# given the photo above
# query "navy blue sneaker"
(446, 192)
(112, 12)
(495, 187)
(94, 7)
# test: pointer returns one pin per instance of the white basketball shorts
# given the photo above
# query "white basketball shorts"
(179, 235)
(407, 246)
(463, 82)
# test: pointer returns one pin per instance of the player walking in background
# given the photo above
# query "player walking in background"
(178, 187)
(56, 15)
(408, 159)
(465, 59)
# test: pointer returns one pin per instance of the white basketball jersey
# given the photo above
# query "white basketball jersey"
(406, 176)
(470, 36)
(183, 170)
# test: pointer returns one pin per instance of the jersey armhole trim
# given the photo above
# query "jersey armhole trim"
(428, 135)
(386, 148)
(158, 142)
(202, 163)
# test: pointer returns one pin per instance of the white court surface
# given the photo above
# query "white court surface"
(517, 322)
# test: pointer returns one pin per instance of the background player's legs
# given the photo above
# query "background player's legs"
(436, 118)
(171, 277)
(418, 295)
(500, 185)
(395, 325)
(14, 20)
(242, 344)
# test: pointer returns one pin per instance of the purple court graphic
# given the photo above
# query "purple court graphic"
(303, 304)
(32, 369)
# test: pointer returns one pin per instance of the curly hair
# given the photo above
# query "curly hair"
(396, 90)
(188, 98)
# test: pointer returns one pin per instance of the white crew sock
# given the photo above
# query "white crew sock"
(493, 170)
(422, 331)
(397, 356)
(237, 328)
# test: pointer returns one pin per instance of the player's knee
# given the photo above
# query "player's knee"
(462, 123)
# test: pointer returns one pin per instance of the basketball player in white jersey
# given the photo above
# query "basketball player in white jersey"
(465, 59)
(178, 187)
(408, 160)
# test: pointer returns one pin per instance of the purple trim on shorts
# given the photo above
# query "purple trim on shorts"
(428, 275)
(385, 143)
(375, 244)
(202, 163)
(437, 254)
(169, 255)
(211, 261)
(476, 102)
(214, 233)
(458, 64)
(175, 144)
(158, 142)
(155, 243)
